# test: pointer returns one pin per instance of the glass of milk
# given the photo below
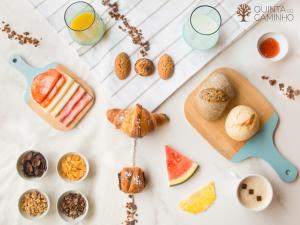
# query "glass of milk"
(84, 24)
(201, 30)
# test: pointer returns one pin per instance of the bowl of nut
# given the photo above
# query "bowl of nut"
(31, 165)
(34, 204)
(73, 167)
(72, 206)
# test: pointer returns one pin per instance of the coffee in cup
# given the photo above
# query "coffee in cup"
(254, 192)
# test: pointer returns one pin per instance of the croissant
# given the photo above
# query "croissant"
(132, 180)
(136, 121)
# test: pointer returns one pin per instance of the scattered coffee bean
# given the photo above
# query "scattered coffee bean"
(272, 82)
(136, 34)
(131, 210)
(289, 92)
(251, 191)
(281, 86)
(22, 38)
(33, 164)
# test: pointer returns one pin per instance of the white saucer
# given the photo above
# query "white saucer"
(282, 41)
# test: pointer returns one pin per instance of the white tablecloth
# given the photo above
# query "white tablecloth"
(107, 149)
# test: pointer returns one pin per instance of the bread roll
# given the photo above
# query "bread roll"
(242, 123)
(132, 180)
(214, 95)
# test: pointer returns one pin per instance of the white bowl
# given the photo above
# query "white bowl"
(26, 216)
(19, 166)
(86, 165)
(70, 219)
(269, 189)
(283, 44)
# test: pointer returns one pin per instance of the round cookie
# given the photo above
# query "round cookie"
(242, 123)
(144, 67)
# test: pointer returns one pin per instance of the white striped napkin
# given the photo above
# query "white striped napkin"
(161, 22)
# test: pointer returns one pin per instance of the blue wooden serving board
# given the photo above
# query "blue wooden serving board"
(30, 73)
(261, 145)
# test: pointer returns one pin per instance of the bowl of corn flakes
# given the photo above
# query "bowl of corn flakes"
(73, 167)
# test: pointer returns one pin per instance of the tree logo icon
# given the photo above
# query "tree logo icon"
(243, 11)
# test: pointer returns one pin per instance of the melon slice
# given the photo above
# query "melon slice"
(199, 201)
(180, 168)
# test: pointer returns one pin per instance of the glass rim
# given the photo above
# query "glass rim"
(220, 24)
(88, 4)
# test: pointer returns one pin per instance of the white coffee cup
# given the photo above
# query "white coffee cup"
(257, 187)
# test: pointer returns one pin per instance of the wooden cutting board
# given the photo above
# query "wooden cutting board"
(30, 73)
(261, 145)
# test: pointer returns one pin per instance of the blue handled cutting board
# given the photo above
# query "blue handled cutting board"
(261, 145)
(30, 73)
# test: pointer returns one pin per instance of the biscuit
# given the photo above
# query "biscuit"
(122, 66)
(144, 67)
(165, 67)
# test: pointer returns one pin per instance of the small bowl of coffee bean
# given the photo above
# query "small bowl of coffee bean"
(34, 204)
(72, 206)
(32, 164)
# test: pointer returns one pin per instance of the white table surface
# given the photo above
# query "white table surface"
(108, 150)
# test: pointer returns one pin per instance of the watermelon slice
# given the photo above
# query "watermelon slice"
(180, 168)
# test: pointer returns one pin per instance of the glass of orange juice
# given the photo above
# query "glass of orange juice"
(85, 25)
